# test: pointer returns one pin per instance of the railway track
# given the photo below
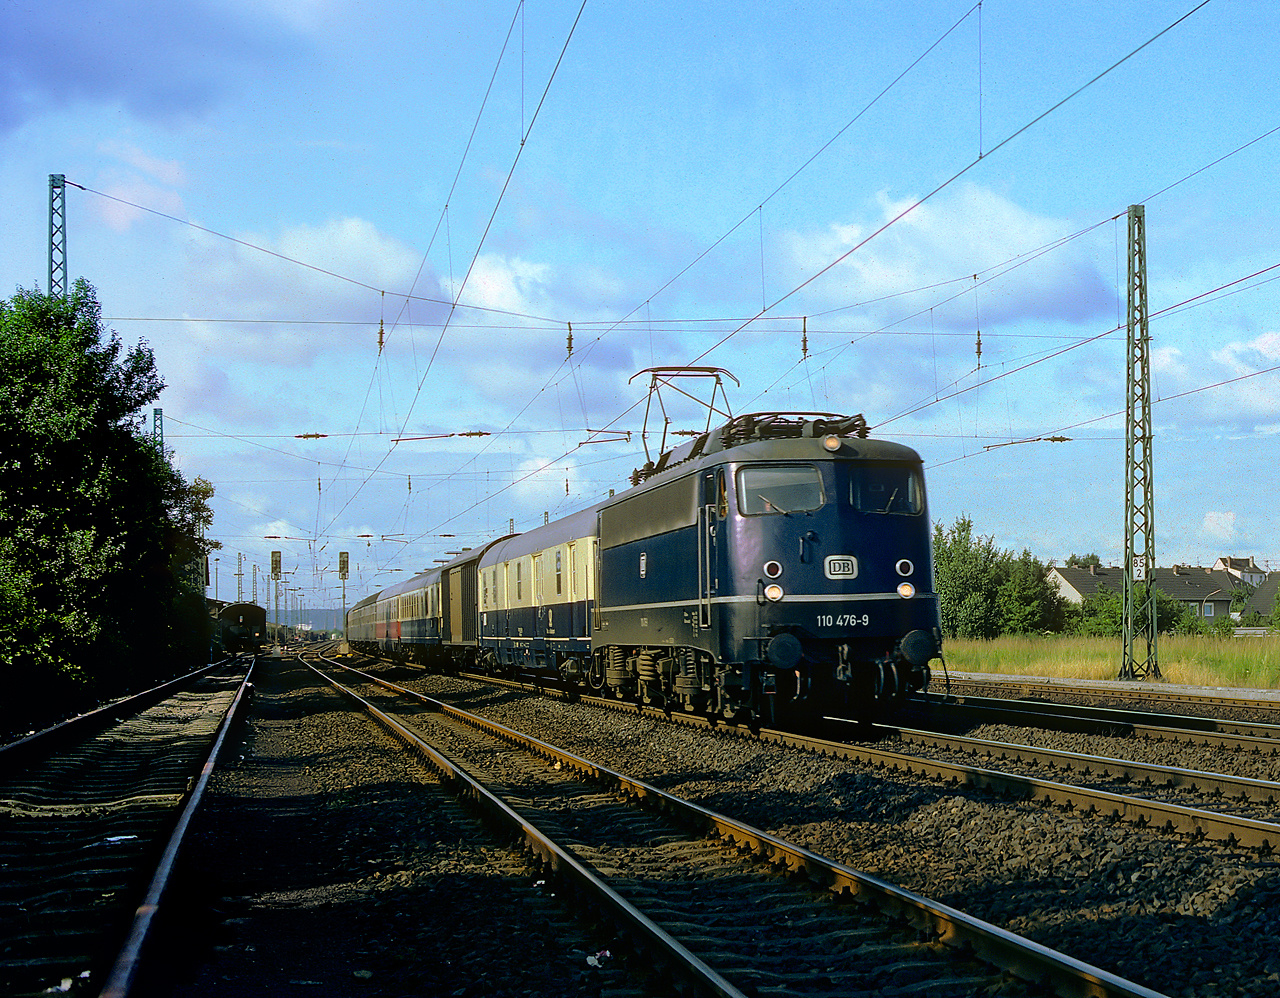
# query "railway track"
(92, 815)
(1186, 913)
(1205, 804)
(961, 712)
(683, 878)
(1153, 697)
(1219, 805)
(328, 861)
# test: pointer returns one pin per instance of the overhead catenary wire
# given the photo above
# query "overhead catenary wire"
(946, 183)
(952, 179)
(480, 244)
(1168, 310)
(785, 183)
(1004, 142)
(456, 325)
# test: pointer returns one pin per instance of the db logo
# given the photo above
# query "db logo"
(841, 566)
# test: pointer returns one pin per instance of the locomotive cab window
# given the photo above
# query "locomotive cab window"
(779, 488)
(886, 488)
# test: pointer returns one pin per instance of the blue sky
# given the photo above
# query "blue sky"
(683, 183)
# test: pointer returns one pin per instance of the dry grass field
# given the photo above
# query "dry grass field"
(1194, 660)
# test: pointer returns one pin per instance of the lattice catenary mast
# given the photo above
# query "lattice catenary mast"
(1141, 660)
(57, 235)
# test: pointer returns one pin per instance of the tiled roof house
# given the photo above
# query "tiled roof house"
(1243, 569)
(1263, 599)
(1207, 591)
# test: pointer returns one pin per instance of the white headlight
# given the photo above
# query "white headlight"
(831, 442)
(773, 593)
(906, 590)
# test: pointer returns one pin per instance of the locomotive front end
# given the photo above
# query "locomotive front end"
(828, 555)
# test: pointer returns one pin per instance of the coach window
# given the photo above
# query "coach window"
(519, 583)
(559, 574)
(886, 488)
(778, 488)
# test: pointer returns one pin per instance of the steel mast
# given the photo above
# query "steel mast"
(57, 235)
(1141, 660)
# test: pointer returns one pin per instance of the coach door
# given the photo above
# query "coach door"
(539, 601)
(456, 610)
(708, 561)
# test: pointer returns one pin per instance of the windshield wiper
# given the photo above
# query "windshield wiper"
(770, 504)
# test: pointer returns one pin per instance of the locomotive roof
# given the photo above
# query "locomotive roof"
(803, 442)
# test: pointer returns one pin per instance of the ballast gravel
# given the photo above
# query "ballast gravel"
(1183, 917)
(326, 862)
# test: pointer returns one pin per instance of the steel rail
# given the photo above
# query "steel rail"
(1193, 821)
(1264, 738)
(40, 744)
(1024, 958)
(124, 971)
(1263, 791)
(1029, 687)
(629, 919)
(1150, 813)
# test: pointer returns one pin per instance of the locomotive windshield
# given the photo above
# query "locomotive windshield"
(886, 488)
(779, 488)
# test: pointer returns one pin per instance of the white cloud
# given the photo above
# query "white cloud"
(940, 245)
(322, 273)
(512, 285)
(1168, 360)
(1259, 396)
(120, 216)
(170, 172)
(1261, 351)
(541, 484)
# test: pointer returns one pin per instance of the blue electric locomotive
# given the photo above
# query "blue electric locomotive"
(775, 568)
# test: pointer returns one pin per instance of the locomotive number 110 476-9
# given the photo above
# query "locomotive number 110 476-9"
(844, 619)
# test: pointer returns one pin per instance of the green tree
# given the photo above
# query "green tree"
(1083, 561)
(95, 523)
(1029, 602)
(1101, 614)
(984, 591)
(966, 574)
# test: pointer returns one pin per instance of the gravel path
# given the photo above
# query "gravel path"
(1182, 917)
